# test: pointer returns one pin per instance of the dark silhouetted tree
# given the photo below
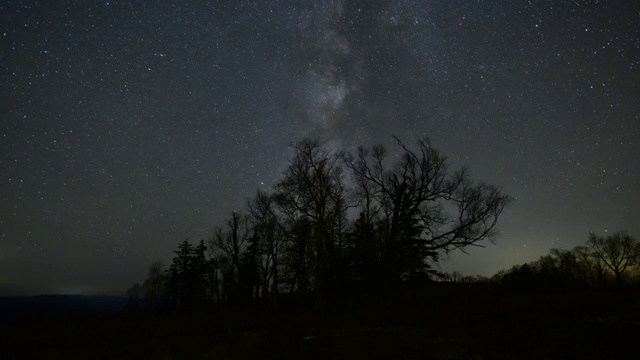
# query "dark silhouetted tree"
(154, 287)
(269, 236)
(231, 244)
(362, 253)
(249, 285)
(198, 270)
(177, 274)
(298, 257)
(186, 278)
(498, 278)
(311, 194)
(520, 277)
(134, 296)
(588, 267)
(617, 252)
(568, 268)
(184, 285)
(420, 210)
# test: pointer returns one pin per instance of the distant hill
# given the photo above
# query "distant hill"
(15, 307)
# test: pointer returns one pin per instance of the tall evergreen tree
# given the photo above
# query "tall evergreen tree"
(179, 275)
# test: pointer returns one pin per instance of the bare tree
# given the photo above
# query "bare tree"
(134, 294)
(229, 246)
(312, 193)
(269, 231)
(214, 256)
(420, 209)
(589, 268)
(617, 252)
(153, 286)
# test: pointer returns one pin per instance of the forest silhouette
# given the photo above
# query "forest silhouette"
(339, 260)
(343, 227)
(336, 226)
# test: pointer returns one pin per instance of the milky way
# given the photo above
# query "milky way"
(129, 126)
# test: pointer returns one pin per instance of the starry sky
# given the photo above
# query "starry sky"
(128, 126)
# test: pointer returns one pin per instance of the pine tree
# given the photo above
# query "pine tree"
(179, 273)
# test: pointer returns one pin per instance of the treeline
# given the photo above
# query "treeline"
(611, 261)
(337, 224)
(602, 262)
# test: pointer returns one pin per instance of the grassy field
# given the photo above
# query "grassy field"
(449, 321)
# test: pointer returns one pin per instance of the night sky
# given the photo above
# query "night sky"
(128, 126)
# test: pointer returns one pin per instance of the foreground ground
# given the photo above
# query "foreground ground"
(443, 322)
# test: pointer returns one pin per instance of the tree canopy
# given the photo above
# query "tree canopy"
(337, 222)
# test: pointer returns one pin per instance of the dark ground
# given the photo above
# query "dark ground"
(445, 321)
